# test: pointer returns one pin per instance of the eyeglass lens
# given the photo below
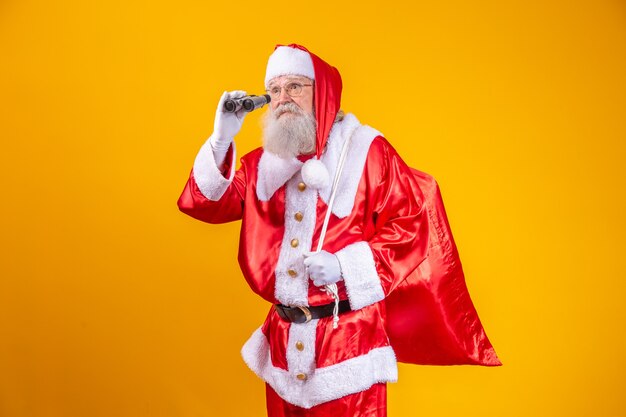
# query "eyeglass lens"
(292, 89)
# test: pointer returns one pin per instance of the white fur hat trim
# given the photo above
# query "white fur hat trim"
(315, 174)
(289, 61)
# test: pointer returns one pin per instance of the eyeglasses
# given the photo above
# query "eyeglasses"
(293, 89)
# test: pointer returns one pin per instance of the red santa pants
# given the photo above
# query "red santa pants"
(369, 403)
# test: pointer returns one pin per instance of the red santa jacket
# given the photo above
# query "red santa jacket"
(379, 231)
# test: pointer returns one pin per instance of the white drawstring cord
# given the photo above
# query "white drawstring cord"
(332, 288)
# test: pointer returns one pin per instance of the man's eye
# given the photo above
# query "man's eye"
(275, 90)
(293, 86)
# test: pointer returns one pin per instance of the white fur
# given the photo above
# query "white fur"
(359, 275)
(315, 174)
(290, 290)
(286, 60)
(362, 137)
(304, 360)
(274, 172)
(325, 384)
(210, 180)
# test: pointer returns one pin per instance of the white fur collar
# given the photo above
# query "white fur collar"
(362, 137)
(274, 171)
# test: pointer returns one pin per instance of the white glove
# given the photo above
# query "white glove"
(226, 126)
(323, 267)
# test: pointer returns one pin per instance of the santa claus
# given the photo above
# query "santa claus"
(334, 224)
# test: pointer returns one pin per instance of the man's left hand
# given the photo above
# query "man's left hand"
(323, 267)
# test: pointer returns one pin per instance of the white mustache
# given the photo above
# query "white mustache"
(287, 107)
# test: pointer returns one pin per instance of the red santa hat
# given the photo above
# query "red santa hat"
(297, 60)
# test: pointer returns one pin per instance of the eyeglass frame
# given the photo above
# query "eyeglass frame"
(268, 91)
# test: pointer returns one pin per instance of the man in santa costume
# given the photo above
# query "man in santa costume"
(324, 348)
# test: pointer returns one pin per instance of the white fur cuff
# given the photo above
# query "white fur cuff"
(210, 180)
(359, 275)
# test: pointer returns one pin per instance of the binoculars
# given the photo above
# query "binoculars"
(248, 103)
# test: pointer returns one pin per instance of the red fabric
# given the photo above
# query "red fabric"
(368, 403)
(328, 87)
(304, 158)
(431, 318)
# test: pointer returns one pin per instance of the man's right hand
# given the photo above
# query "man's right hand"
(227, 125)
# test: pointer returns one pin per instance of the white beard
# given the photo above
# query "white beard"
(289, 135)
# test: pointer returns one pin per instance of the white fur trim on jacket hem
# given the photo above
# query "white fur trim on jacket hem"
(324, 384)
(360, 276)
(210, 180)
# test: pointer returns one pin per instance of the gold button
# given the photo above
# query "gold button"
(301, 377)
(299, 216)
(300, 346)
(301, 186)
(292, 273)
(294, 243)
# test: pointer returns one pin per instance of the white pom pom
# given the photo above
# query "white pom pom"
(315, 174)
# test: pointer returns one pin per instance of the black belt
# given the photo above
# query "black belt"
(304, 314)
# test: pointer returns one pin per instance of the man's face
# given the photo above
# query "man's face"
(304, 100)
(289, 127)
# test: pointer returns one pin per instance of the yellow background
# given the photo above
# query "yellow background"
(113, 303)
